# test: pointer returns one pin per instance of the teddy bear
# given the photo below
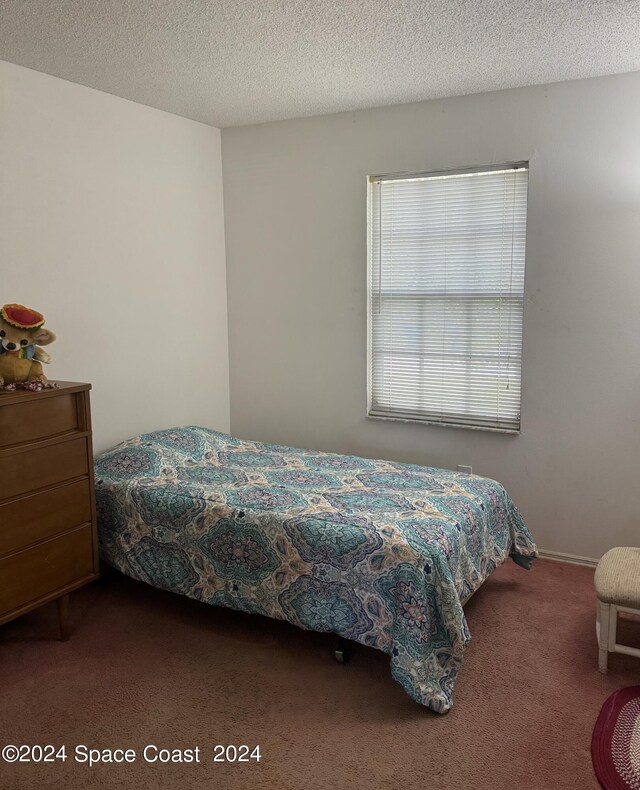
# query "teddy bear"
(21, 335)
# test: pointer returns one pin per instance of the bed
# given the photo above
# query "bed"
(382, 553)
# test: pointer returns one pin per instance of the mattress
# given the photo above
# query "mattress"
(378, 552)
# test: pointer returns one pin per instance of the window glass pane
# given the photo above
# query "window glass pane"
(446, 291)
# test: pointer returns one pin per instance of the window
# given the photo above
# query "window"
(446, 292)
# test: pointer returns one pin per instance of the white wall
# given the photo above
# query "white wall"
(111, 224)
(296, 264)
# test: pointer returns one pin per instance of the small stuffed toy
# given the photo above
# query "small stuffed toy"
(21, 335)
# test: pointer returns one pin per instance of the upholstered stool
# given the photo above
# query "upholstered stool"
(618, 589)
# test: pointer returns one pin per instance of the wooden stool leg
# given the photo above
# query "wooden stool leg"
(63, 616)
(604, 619)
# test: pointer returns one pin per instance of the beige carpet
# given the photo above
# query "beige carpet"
(146, 667)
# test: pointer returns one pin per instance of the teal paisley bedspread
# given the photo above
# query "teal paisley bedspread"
(379, 552)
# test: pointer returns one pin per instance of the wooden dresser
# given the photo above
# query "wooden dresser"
(48, 540)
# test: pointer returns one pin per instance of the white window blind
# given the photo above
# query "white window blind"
(446, 288)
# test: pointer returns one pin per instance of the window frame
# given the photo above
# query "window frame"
(405, 175)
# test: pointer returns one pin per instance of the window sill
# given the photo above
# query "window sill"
(486, 428)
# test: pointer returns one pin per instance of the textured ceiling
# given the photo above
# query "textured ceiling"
(233, 62)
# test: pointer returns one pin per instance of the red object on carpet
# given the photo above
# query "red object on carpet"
(615, 745)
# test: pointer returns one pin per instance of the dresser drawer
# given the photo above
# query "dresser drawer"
(38, 419)
(39, 467)
(39, 516)
(43, 569)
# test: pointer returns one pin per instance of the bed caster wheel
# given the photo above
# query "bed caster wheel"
(341, 654)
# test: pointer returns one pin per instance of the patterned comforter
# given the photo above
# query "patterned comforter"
(379, 552)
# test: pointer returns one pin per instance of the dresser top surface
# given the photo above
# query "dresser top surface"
(62, 388)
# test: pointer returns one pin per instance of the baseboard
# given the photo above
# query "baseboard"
(574, 559)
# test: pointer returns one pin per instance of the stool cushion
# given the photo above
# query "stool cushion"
(618, 577)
